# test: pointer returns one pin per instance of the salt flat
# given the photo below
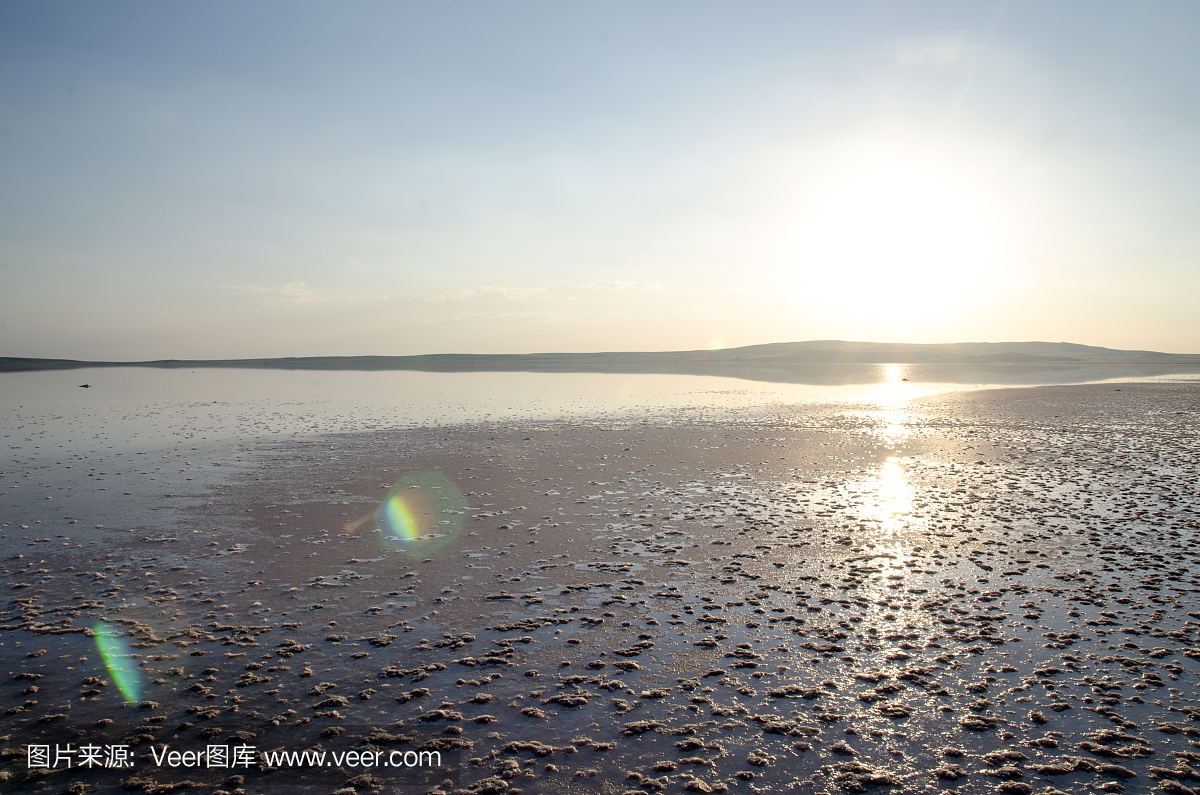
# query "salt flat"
(981, 591)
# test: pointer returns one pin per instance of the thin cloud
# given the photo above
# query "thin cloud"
(613, 284)
(293, 291)
(505, 317)
(506, 293)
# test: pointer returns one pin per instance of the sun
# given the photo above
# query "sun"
(897, 232)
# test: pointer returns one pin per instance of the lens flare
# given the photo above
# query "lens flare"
(406, 515)
(421, 513)
(118, 658)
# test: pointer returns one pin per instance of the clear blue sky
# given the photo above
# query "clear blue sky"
(218, 179)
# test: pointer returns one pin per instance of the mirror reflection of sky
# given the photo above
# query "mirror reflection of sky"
(167, 406)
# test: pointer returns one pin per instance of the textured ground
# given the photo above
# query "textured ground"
(990, 591)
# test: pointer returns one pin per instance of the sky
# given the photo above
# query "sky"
(243, 179)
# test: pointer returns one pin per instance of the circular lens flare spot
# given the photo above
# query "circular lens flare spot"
(421, 513)
(118, 658)
(407, 515)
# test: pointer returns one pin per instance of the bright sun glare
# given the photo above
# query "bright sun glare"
(897, 233)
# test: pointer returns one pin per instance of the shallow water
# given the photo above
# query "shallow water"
(41, 412)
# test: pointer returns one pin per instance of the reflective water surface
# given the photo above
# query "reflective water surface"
(162, 407)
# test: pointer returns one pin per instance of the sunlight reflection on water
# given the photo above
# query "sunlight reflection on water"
(889, 567)
(895, 388)
(893, 499)
(175, 405)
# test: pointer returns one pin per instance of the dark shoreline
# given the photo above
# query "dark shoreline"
(821, 361)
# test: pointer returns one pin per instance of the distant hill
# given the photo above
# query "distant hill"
(795, 362)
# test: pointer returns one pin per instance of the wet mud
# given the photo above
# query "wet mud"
(980, 592)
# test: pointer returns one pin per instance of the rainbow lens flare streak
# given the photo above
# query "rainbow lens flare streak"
(118, 658)
(406, 515)
(422, 512)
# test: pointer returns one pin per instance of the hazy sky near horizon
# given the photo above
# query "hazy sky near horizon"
(237, 179)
